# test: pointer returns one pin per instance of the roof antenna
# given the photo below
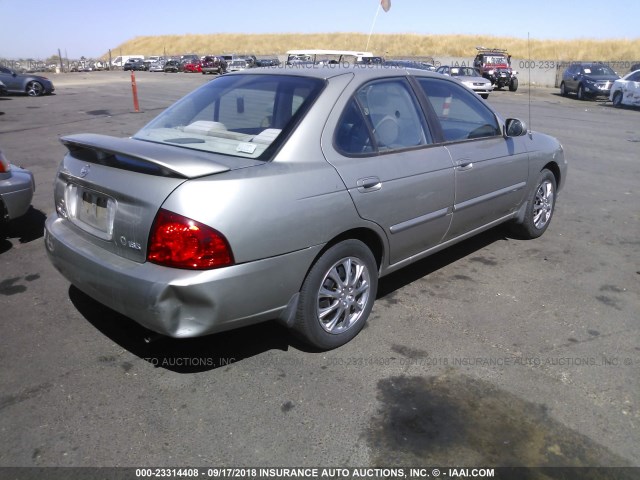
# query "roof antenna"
(529, 64)
(373, 24)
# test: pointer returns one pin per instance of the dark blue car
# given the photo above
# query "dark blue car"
(588, 80)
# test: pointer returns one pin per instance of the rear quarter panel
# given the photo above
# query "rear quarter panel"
(292, 202)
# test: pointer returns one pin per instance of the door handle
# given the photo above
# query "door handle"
(369, 184)
(464, 164)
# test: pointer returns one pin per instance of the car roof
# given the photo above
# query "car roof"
(630, 73)
(325, 72)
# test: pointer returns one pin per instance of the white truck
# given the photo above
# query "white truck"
(119, 61)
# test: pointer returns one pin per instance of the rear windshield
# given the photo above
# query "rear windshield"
(241, 115)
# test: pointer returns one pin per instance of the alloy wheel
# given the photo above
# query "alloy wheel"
(543, 204)
(343, 295)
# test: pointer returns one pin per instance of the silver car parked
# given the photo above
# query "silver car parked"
(469, 77)
(287, 193)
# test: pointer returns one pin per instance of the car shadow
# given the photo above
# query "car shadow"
(587, 99)
(185, 355)
(194, 355)
(26, 228)
(624, 107)
(435, 262)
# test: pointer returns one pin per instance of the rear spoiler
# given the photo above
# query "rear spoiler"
(144, 157)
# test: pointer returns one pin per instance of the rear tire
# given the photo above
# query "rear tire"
(563, 90)
(337, 295)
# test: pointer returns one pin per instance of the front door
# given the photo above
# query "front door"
(490, 169)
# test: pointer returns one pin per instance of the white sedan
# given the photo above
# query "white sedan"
(469, 77)
(626, 91)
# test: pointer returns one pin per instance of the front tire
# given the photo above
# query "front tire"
(617, 99)
(540, 206)
(513, 85)
(337, 295)
(580, 92)
(34, 89)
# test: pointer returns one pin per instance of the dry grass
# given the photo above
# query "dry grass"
(391, 45)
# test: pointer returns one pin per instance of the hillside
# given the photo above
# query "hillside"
(391, 45)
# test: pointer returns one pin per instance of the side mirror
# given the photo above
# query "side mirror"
(515, 127)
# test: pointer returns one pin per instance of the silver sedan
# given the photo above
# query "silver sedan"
(287, 193)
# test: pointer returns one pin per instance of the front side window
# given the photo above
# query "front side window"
(462, 115)
(241, 115)
(382, 116)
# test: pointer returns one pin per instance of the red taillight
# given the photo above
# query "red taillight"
(4, 163)
(180, 242)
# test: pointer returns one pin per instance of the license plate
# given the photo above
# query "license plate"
(90, 210)
(93, 210)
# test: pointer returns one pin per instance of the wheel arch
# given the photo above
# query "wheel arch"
(555, 169)
(366, 235)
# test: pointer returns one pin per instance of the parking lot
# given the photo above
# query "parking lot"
(494, 352)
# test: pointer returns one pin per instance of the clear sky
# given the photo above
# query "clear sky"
(37, 28)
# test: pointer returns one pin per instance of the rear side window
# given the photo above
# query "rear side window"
(382, 116)
(462, 115)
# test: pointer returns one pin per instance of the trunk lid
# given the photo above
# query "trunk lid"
(110, 189)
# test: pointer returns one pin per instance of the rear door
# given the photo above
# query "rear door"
(380, 144)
